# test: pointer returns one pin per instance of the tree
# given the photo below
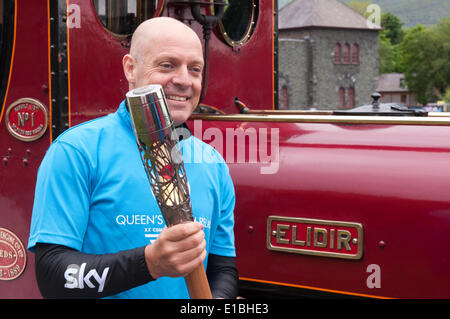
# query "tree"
(442, 61)
(392, 27)
(386, 55)
(389, 39)
(424, 59)
(446, 96)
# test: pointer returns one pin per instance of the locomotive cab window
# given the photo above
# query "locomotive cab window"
(239, 21)
(121, 17)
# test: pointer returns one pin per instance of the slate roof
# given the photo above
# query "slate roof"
(321, 13)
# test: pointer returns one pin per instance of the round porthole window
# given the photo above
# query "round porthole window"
(121, 17)
(239, 21)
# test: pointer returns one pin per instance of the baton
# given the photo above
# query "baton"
(161, 155)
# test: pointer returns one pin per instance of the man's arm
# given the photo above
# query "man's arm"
(63, 272)
(222, 276)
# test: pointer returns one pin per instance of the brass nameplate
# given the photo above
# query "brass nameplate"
(316, 237)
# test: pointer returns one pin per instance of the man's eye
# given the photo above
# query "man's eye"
(196, 69)
(166, 65)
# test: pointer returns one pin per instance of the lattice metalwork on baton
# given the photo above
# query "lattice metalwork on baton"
(168, 181)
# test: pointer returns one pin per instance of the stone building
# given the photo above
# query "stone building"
(392, 88)
(328, 56)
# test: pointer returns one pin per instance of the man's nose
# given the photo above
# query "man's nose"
(182, 77)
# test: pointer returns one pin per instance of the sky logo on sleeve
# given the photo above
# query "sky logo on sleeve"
(76, 278)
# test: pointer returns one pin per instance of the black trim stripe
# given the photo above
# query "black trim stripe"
(275, 55)
(257, 290)
(59, 67)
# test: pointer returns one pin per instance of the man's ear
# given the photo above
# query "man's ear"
(129, 68)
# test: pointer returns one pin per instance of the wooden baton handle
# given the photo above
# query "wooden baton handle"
(197, 284)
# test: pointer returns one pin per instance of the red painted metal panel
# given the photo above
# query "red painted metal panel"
(391, 179)
(20, 160)
(97, 83)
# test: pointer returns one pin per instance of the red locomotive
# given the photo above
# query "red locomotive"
(347, 204)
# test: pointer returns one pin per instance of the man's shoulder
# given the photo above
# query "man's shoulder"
(89, 131)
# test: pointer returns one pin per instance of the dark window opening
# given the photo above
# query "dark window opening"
(350, 98)
(239, 21)
(121, 17)
(342, 102)
(346, 98)
(346, 54)
(337, 53)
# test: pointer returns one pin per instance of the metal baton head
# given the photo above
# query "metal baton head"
(150, 114)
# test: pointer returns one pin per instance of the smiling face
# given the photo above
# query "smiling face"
(164, 51)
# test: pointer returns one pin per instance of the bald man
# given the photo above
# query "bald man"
(96, 228)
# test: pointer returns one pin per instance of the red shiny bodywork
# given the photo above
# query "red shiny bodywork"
(393, 179)
(20, 160)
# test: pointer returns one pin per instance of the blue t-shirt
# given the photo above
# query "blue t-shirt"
(93, 195)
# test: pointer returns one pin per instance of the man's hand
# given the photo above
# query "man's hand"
(177, 251)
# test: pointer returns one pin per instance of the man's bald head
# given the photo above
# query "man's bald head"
(167, 52)
(151, 31)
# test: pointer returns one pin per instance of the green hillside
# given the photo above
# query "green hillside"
(410, 12)
(413, 12)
